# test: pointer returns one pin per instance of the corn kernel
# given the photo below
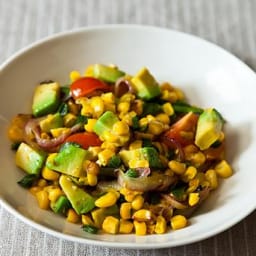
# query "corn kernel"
(120, 128)
(211, 176)
(137, 202)
(49, 174)
(143, 122)
(166, 86)
(94, 151)
(140, 228)
(137, 106)
(108, 97)
(42, 183)
(97, 105)
(163, 118)
(178, 222)
(89, 71)
(74, 75)
(179, 93)
(106, 200)
(90, 124)
(54, 194)
(92, 168)
(189, 149)
(125, 227)
(189, 174)
(123, 107)
(168, 109)
(198, 158)
(129, 195)
(134, 163)
(33, 190)
(104, 156)
(193, 185)
(177, 167)
(42, 199)
(125, 211)
(92, 179)
(110, 225)
(69, 119)
(56, 132)
(142, 215)
(135, 144)
(87, 220)
(155, 127)
(161, 226)
(223, 169)
(72, 216)
(193, 199)
(127, 97)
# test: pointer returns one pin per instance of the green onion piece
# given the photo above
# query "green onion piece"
(61, 205)
(90, 229)
(114, 161)
(135, 123)
(63, 109)
(132, 173)
(151, 108)
(179, 192)
(81, 120)
(183, 107)
(27, 181)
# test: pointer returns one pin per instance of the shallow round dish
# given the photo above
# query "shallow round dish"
(210, 77)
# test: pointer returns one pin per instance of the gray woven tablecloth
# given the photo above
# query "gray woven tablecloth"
(228, 23)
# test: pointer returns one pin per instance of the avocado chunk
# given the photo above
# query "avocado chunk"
(69, 160)
(52, 121)
(145, 85)
(209, 128)
(81, 201)
(29, 159)
(106, 73)
(46, 99)
(146, 153)
(105, 123)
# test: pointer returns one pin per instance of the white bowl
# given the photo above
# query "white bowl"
(210, 77)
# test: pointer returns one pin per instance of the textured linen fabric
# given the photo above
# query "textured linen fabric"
(228, 23)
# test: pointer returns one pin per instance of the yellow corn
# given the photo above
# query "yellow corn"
(193, 185)
(161, 226)
(223, 169)
(179, 93)
(140, 228)
(69, 119)
(211, 176)
(155, 127)
(127, 97)
(108, 97)
(45, 136)
(129, 195)
(56, 132)
(87, 220)
(74, 75)
(110, 225)
(134, 163)
(168, 109)
(42, 183)
(89, 71)
(109, 145)
(178, 222)
(189, 174)
(143, 122)
(142, 215)
(72, 216)
(90, 124)
(92, 179)
(104, 156)
(94, 151)
(137, 106)
(177, 167)
(108, 136)
(121, 128)
(92, 168)
(54, 194)
(42, 199)
(123, 107)
(135, 144)
(163, 118)
(198, 159)
(49, 174)
(125, 227)
(125, 211)
(151, 228)
(97, 105)
(106, 200)
(166, 86)
(193, 199)
(137, 202)
(33, 190)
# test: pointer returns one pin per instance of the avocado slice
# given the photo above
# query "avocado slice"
(146, 153)
(52, 121)
(29, 159)
(69, 160)
(46, 99)
(81, 201)
(105, 123)
(145, 85)
(106, 73)
(209, 127)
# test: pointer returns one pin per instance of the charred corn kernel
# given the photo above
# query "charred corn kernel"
(74, 75)
(89, 71)
(142, 215)
(189, 149)
(108, 97)
(42, 183)
(92, 168)
(56, 132)
(42, 199)
(179, 93)
(193, 199)
(223, 169)
(161, 226)
(49, 174)
(120, 128)
(110, 225)
(137, 202)
(168, 109)
(69, 119)
(129, 195)
(33, 190)
(123, 107)
(92, 179)
(125, 211)
(193, 185)
(177, 167)
(140, 228)
(163, 118)
(189, 174)
(45, 136)
(106, 200)
(72, 216)
(104, 156)
(125, 227)
(54, 194)
(97, 105)
(201, 177)
(135, 144)
(134, 163)
(178, 222)
(155, 127)
(137, 106)
(73, 107)
(87, 220)
(211, 176)
(198, 158)
(151, 228)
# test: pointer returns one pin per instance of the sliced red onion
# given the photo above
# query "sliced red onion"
(173, 202)
(175, 144)
(143, 171)
(122, 86)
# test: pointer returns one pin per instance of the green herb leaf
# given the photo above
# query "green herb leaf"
(81, 120)
(135, 123)
(115, 161)
(132, 173)
(90, 229)
(28, 180)
(151, 108)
